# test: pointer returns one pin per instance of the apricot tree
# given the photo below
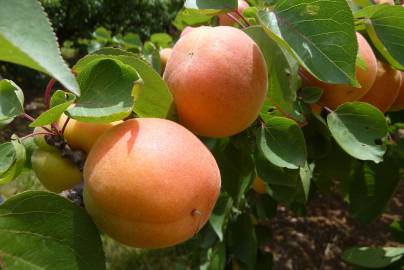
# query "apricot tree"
(288, 99)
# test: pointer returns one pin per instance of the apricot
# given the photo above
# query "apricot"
(315, 108)
(55, 172)
(164, 56)
(225, 20)
(219, 88)
(82, 135)
(186, 30)
(385, 89)
(40, 141)
(150, 183)
(259, 186)
(337, 94)
(398, 104)
(379, 2)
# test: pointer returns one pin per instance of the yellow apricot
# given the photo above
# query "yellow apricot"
(82, 135)
(150, 183)
(337, 94)
(225, 20)
(164, 56)
(259, 186)
(398, 104)
(40, 141)
(55, 172)
(385, 89)
(218, 89)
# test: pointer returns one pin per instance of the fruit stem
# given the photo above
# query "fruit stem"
(328, 109)
(35, 134)
(243, 18)
(65, 125)
(32, 119)
(235, 19)
(48, 91)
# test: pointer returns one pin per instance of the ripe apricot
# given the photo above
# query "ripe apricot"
(55, 172)
(398, 104)
(385, 89)
(218, 89)
(225, 20)
(150, 183)
(388, 2)
(164, 56)
(259, 186)
(337, 94)
(83, 135)
(186, 30)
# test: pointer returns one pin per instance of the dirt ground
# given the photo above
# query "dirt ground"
(313, 242)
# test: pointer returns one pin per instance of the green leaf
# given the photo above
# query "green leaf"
(219, 216)
(397, 230)
(41, 230)
(319, 34)
(132, 40)
(318, 137)
(60, 97)
(53, 114)
(282, 142)
(217, 259)
(7, 155)
(282, 72)
(282, 184)
(19, 161)
(306, 174)
(359, 129)
(385, 27)
(27, 39)
(373, 187)
(106, 86)
(211, 6)
(186, 17)
(311, 95)
(11, 100)
(372, 257)
(162, 39)
(102, 35)
(242, 241)
(154, 98)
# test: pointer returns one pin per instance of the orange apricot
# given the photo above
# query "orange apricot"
(385, 89)
(82, 135)
(398, 104)
(218, 89)
(259, 186)
(164, 56)
(337, 94)
(150, 183)
(225, 20)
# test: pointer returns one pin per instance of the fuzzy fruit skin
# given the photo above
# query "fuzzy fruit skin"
(55, 172)
(398, 104)
(388, 2)
(164, 56)
(385, 89)
(187, 30)
(258, 185)
(337, 94)
(218, 88)
(82, 135)
(150, 183)
(225, 20)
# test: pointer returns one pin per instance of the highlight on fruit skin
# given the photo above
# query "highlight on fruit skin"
(82, 135)
(385, 89)
(219, 89)
(150, 183)
(337, 94)
(398, 104)
(225, 20)
(259, 186)
(55, 172)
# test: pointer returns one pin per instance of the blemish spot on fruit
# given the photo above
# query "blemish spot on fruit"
(195, 212)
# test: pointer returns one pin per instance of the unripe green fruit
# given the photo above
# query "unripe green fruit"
(41, 142)
(55, 172)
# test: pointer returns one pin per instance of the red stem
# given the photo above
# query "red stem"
(48, 92)
(65, 125)
(243, 18)
(35, 134)
(235, 19)
(32, 119)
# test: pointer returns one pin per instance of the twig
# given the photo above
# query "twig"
(231, 16)
(65, 125)
(35, 134)
(32, 119)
